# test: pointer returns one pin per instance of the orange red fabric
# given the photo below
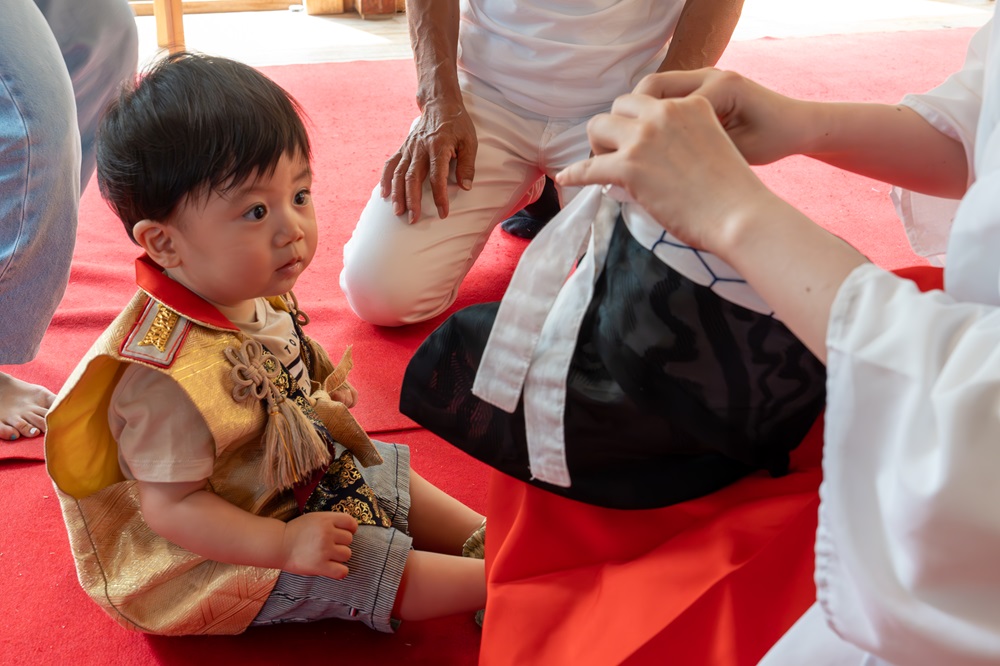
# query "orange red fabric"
(714, 581)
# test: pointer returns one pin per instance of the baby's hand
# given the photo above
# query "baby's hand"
(317, 544)
(346, 394)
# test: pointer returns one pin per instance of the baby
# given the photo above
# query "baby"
(209, 472)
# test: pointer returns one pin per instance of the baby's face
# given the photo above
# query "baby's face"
(252, 241)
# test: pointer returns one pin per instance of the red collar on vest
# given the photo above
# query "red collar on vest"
(151, 279)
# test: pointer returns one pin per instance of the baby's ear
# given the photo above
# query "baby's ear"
(156, 238)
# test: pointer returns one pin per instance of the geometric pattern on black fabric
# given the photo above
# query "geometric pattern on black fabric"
(710, 277)
(672, 391)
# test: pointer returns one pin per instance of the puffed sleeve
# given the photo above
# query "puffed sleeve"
(161, 435)
(908, 546)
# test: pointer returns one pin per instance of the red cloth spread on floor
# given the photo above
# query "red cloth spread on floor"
(712, 581)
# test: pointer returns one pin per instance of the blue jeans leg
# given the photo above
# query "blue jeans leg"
(60, 63)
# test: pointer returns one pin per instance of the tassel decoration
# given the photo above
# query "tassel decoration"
(292, 447)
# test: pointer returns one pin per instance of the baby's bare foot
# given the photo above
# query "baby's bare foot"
(22, 408)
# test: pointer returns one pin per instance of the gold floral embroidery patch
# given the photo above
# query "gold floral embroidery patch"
(343, 489)
(161, 328)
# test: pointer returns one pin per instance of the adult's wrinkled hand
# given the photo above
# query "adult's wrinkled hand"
(443, 133)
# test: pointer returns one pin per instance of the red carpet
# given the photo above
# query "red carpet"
(359, 113)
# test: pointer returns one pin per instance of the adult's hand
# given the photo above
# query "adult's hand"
(764, 125)
(443, 133)
(674, 158)
(887, 142)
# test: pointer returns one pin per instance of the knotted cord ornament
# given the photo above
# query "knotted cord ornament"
(301, 318)
(292, 447)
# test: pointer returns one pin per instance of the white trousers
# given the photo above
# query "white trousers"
(396, 273)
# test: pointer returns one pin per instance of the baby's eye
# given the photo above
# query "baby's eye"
(256, 213)
(302, 197)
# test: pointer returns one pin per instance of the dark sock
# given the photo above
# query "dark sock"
(527, 222)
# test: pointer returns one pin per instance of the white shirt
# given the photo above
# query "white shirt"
(908, 545)
(564, 58)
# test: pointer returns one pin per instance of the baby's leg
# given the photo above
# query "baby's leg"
(22, 408)
(387, 581)
(379, 559)
(436, 585)
(437, 521)
(441, 582)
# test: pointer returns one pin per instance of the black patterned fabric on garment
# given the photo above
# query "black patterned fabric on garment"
(343, 489)
(672, 391)
(340, 487)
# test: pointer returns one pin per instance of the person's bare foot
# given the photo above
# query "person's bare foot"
(22, 408)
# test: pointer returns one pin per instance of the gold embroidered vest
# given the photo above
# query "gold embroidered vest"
(142, 580)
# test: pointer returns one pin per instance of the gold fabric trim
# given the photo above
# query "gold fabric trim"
(147, 583)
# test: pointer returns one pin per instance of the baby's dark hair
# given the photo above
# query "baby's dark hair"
(191, 125)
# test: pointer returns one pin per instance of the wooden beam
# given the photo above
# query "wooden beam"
(145, 7)
(324, 6)
(366, 9)
(373, 8)
(169, 24)
(369, 9)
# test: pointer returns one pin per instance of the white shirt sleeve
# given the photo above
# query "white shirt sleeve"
(953, 109)
(908, 546)
(161, 435)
